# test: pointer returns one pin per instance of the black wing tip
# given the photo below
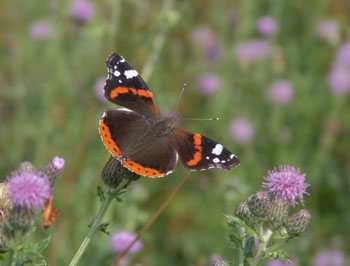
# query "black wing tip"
(113, 58)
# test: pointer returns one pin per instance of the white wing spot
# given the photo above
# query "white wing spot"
(119, 81)
(216, 160)
(217, 149)
(115, 67)
(116, 73)
(223, 161)
(130, 73)
(122, 60)
(232, 156)
(207, 158)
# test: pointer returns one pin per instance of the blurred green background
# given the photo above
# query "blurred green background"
(52, 60)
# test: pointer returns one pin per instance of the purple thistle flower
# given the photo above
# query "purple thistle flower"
(208, 83)
(202, 35)
(119, 241)
(327, 30)
(329, 258)
(99, 89)
(58, 163)
(213, 53)
(287, 184)
(82, 10)
(28, 189)
(343, 56)
(252, 50)
(281, 91)
(339, 80)
(241, 130)
(267, 26)
(40, 30)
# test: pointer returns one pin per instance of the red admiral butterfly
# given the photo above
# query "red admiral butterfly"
(144, 141)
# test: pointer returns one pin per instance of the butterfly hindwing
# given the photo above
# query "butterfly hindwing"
(125, 87)
(125, 134)
(199, 153)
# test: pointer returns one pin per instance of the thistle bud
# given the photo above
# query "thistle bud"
(298, 223)
(27, 167)
(20, 220)
(278, 212)
(259, 203)
(242, 211)
(53, 169)
(221, 263)
(114, 172)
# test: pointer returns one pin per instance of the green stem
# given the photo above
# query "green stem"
(262, 246)
(109, 195)
(157, 44)
(242, 236)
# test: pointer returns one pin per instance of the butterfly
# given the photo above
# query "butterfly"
(49, 214)
(143, 140)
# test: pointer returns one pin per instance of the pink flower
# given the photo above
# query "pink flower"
(287, 184)
(267, 26)
(329, 257)
(82, 10)
(99, 89)
(241, 130)
(252, 50)
(208, 83)
(281, 91)
(40, 30)
(343, 56)
(203, 36)
(119, 241)
(328, 30)
(28, 189)
(339, 80)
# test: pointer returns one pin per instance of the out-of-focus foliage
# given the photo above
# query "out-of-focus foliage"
(278, 79)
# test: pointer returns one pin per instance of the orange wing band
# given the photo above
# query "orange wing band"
(122, 90)
(114, 149)
(197, 139)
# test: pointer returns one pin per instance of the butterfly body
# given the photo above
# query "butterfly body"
(144, 141)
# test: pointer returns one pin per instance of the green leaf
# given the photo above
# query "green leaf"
(236, 240)
(103, 228)
(100, 193)
(246, 263)
(248, 249)
(42, 244)
(237, 221)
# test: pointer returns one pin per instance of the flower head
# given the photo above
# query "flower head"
(287, 184)
(241, 130)
(328, 30)
(339, 80)
(343, 55)
(121, 240)
(99, 89)
(213, 53)
(82, 10)
(28, 189)
(58, 163)
(208, 83)
(40, 30)
(329, 257)
(202, 35)
(252, 50)
(267, 26)
(281, 91)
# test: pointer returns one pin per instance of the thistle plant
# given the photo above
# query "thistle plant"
(265, 217)
(23, 198)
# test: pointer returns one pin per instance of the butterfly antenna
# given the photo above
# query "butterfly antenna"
(215, 118)
(180, 96)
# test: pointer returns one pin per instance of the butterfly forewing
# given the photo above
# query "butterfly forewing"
(125, 87)
(199, 153)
